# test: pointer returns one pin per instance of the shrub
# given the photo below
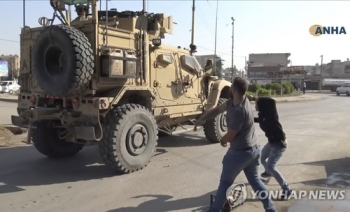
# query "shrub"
(286, 88)
(263, 92)
(291, 87)
(268, 86)
(254, 87)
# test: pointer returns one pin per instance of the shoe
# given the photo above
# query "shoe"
(265, 175)
(286, 194)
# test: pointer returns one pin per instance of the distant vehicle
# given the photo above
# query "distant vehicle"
(9, 86)
(333, 84)
(344, 89)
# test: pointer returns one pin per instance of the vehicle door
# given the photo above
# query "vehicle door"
(190, 73)
(346, 88)
(2, 86)
(163, 76)
(10, 86)
(341, 89)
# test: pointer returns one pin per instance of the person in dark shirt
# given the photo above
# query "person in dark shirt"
(244, 152)
(277, 142)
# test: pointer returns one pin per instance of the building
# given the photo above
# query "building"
(13, 66)
(227, 74)
(265, 66)
(269, 59)
(334, 69)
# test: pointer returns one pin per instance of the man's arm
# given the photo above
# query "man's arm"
(234, 126)
(210, 114)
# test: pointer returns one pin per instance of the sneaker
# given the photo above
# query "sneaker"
(265, 175)
(286, 194)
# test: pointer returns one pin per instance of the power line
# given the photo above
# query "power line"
(202, 19)
(219, 52)
(14, 41)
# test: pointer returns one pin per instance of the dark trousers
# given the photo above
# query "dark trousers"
(304, 90)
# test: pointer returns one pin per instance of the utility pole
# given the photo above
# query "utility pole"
(320, 83)
(245, 66)
(192, 46)
(233, 26)
(216, 25)
(193, 12)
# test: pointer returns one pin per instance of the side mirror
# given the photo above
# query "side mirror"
(208, 68)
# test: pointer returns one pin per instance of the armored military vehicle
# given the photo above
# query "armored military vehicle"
(105, 78)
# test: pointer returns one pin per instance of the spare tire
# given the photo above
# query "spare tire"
(63, 61)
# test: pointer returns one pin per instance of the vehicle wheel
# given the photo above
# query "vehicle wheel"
(63, 61)
(129, 138)
(46, 141)
(337, 93)
(11, 91)
(347, 93)
(215, 129)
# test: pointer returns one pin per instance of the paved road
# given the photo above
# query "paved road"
(6, 110)
(184, 172)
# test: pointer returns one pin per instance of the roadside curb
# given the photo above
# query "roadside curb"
(298, 100)
(9, 100)
(294, 100)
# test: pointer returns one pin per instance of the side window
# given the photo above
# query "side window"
(165, 58)
(190, 62)
(10, 83)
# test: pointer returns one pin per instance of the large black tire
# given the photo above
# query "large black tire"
(118, 149)
(215, 129)
(63, 61)
(46, 141)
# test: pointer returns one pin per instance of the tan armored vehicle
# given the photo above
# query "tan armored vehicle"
(106, 78)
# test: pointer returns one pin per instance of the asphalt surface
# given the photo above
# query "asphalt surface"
(185, 170)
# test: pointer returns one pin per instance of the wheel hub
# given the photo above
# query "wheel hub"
(137, 140)
(223, 122)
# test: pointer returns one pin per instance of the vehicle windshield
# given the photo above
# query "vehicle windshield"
(3, 83)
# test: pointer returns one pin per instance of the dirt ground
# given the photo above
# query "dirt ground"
(10, 137)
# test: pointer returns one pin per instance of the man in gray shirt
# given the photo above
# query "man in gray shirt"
(244, 153)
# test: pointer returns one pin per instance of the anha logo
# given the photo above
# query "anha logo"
(317, 30)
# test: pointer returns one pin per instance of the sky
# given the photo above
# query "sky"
(259, 27)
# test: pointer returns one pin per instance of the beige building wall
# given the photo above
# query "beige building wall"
(269, 59)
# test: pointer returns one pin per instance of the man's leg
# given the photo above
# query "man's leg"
(252, 174)
(264, 157)
(275, 155)
(232, 164)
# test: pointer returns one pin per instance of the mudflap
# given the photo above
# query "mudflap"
(19, 121)
(92, 132)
